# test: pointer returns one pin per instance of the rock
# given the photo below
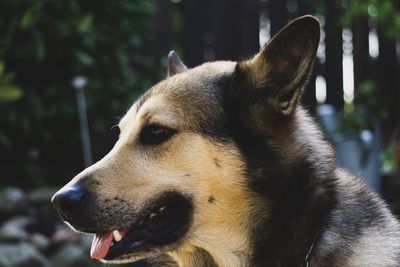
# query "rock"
(21, 255)
(64, 234)
(72, 255)
(85, 241)
(40, 241)
(42, 195)
(14, 229)
(12, 201)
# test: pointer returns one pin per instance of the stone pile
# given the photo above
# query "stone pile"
(32, 235)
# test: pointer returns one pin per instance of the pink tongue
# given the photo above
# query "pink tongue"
(100, 245)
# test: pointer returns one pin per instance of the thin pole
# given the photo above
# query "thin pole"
(79, 84)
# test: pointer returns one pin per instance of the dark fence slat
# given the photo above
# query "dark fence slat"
(220, 30)
(247, 41)
(194, 21)
(334, 55)
(163, 22)
(387, 76)
(277, 14)
(160, 41)
(361, 57)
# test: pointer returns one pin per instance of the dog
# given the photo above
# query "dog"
(219, 165)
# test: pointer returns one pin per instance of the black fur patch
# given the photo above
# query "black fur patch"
(217, 163)
(289, 190)
(211, 199)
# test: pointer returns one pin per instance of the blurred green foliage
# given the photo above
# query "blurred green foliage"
(386, 15)
(383, 12)
(389, 159)
(44, 44)
(367, 107)
(8, 91)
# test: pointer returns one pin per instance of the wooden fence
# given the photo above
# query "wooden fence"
(206, 30)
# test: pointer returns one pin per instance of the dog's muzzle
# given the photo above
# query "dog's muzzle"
(158, 224)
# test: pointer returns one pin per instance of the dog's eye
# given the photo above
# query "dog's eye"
(155, 134)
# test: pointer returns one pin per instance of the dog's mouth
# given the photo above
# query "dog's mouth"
(157, 226)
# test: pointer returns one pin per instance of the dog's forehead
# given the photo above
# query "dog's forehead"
(195, 82)
(182, 96)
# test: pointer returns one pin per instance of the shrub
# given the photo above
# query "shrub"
(44, 44)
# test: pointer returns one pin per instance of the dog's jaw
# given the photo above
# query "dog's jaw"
(128, 259)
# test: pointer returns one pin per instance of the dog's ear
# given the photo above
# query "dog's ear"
(276, 76)
(175, 64)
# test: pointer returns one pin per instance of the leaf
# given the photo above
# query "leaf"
(84, 24)
(10, 93)
(4, 140)
(29, 18)
(2, 66)
(7, 78)
(40, 49)
(84, 58)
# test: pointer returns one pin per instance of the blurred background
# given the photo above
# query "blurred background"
(70, 69)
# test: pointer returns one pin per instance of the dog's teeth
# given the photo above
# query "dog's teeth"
(152, 215)
(161, 210)
(117, 235)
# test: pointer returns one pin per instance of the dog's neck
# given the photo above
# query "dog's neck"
(195, 257)
(219, 257)
(303, 195)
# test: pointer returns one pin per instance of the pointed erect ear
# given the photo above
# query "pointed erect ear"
(175, 64)
(276, 76)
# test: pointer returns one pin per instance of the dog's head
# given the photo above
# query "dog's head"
(178, 179)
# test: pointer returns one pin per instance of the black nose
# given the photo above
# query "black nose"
(68, 202)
